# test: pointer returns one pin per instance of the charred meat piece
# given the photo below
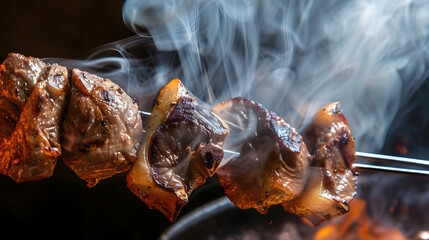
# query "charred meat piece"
(333, 180)
(102, 128)
(183, 147)
(32, 101)
(273, 161)
(9, 116)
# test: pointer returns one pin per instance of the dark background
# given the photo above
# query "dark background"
(62, 207)
(64, 29)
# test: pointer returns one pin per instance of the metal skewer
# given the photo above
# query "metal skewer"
(393, 160)
(395, 170)
(381, 158)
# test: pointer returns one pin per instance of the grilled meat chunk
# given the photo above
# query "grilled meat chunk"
(9, 116)
(333, 180)
(183, 146)
(102, 128)
(32, 102)
(273, 161)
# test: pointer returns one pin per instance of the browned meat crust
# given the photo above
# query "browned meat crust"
(32, 101)
(183, 144)
(333, 180)
(273, 161)
(182, 148)
(102, 128)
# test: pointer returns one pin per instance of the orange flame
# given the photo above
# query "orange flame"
(357, 224)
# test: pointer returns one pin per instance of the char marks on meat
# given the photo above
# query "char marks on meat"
(102, 128)
(32, 101)
(273, 161)
(333, 180)
(183, 146)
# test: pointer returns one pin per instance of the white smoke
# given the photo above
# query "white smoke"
(295, 56)
(141, 76)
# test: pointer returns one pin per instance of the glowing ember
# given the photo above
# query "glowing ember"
(2, 68)
(422, 235)
(357, 223)
(401, 146)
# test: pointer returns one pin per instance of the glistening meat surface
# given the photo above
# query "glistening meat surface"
(33, 97)
(102, 128)
(183, 146)
(333, 180)
(273, 162)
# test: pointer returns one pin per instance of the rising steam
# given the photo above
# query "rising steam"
(295, 56)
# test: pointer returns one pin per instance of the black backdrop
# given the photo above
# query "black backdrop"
(65, 29)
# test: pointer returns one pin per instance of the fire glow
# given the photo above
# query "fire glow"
(357, 224)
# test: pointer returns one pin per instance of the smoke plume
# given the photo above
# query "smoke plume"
(294, 56)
